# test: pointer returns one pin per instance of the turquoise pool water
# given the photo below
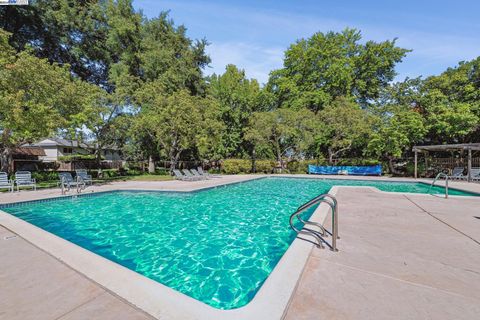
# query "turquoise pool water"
(216, 245)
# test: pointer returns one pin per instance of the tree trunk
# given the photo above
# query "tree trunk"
(254, 162)
(391, 166)
(330, 156)
(174, 160)
(279, 155)
(6, 160)
(151, 165)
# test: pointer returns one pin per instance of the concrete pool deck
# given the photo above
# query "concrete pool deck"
(401, 256)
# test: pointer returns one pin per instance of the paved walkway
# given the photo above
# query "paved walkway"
(401, 257)
(37, 286)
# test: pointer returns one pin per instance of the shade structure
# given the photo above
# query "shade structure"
(469, 147)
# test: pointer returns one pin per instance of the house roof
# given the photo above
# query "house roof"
(29, 151)
(59, 142)
(62, 143)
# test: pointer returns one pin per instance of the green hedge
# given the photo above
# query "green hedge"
(42, 176)
(75, 157)
(265, 166)
(236, 166)
(300, 166)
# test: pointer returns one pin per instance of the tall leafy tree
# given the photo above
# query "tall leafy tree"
(397, 130)
(177, 122)
(167, 55)
(451, 104)
(329, 65)
(238, 98)
(285, 132)
(37, 99)
(343, 127)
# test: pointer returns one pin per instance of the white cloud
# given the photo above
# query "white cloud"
(257, 61)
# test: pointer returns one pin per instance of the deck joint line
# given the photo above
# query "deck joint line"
(445, 223)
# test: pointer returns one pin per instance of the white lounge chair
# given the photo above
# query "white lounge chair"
(180, 176)
(187, 173)
(84, 175)
(24, 179)
(197, 174)
(457, 173)
(5, 183)
(206, 174)
(475, 174)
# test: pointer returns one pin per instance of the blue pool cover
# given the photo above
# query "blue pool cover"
(350, 170)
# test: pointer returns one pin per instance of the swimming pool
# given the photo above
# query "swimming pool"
(217, 245)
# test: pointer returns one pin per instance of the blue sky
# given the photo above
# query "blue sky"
(254, 34)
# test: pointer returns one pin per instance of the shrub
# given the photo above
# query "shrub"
(75, 157)
(162, 172)
(358, 162)
(264, 166)
(43, 176)
(134, 172)
(236, 166)
(110, 173)
(300, 166)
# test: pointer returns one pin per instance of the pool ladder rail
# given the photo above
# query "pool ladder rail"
(319, 236)
(79, 184)
(440, 175)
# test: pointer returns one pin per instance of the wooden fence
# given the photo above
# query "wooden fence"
(450, 163)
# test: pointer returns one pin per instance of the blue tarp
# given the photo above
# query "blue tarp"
(351, 170)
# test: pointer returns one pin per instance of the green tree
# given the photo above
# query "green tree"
(238, 98)
(36, 99)
(177, 122)
(285, 132)
(343, 126)
(396, 133)
(329, 65)
(167, 55)
(450, 103)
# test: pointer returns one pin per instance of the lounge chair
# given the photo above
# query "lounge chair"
(475, 174)
(180, 176)
(67, 181)
(84, 175)
(187, 173)
(457, 173)
(206, 174)
(24, 179)
(5, 183)
(197, 174)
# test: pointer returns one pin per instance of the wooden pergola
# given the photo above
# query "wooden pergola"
(449, 147)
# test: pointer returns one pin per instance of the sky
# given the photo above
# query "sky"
(254, 34)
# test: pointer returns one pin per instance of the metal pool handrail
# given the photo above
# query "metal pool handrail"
(332, 202)
(441, 174)
(80, 184)
(65, 184)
